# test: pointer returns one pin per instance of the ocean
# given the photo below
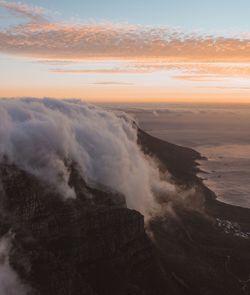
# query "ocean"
(221, 133)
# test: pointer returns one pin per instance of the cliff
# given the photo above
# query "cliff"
(95, 245)
(81, 246)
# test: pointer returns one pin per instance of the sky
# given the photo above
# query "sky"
(126, 51)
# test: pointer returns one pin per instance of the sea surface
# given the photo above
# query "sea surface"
(219, 132)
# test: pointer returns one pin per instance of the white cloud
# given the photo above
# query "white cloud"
(41, 136)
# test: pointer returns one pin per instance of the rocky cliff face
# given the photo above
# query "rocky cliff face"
(95, 245)
(90, 245)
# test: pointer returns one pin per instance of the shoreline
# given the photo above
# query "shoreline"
(182, 163)
(206, 251)
(226, 188)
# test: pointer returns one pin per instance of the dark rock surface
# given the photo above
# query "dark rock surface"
(95, 245)
(83, 246)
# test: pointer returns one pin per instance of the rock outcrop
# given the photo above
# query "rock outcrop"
(90, 245)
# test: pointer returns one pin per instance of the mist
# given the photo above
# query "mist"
(195, 125)
(45, 136)
(10, 283)
(220, 132)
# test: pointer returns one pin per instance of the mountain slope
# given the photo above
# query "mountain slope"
(206, 251)
(95, 245)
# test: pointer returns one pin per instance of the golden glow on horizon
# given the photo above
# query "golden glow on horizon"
(119, 62)
(127, 94)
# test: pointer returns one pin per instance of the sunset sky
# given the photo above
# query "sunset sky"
(126, 51)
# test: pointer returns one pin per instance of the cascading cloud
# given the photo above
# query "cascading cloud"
(42, 136)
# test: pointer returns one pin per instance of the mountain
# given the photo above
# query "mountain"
(94, 244)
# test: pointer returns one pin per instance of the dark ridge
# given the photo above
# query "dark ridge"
(181, 163)
(178, 160)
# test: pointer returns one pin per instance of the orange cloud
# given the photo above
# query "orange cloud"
(138, 50)
(197, 78)
(67, 41)
(112, 83)
(125, 70)
(192, 71)
(45, 39)
(198, 71)
(225, 88)
(214, 71)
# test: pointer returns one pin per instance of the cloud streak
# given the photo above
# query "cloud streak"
(198, 78)
(121, 70)
(191, 71)
(33, 13)
(197, 71)
(112, 83)
(214, 72)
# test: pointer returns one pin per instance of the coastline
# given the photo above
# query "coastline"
(204, 249)
(228, 179)
(183, 164)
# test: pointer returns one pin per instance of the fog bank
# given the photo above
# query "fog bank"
(44, 137)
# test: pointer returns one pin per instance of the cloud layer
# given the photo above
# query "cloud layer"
(45, 136)
(44, 38)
